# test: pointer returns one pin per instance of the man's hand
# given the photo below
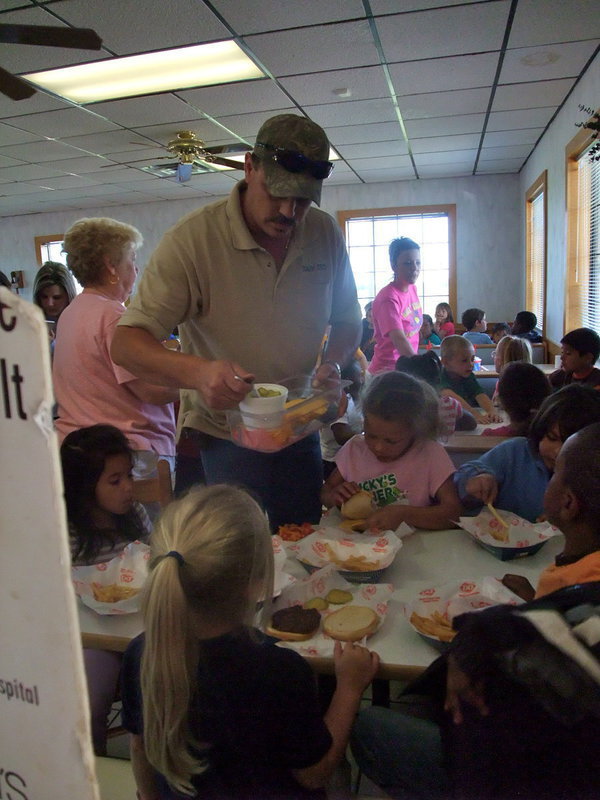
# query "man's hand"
(460, 689)
(223, 384)
(483, 487)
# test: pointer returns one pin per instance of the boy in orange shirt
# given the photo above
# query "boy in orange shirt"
(572, 503)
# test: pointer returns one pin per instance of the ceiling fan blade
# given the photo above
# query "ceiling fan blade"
(50, 36)
(226, 162)
(14, 87)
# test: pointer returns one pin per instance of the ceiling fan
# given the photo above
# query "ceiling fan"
(192, 155)
(46, 36)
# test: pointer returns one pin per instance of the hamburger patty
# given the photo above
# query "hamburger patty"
(296, 619)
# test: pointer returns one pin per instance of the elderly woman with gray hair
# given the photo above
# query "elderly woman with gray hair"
(89, 387)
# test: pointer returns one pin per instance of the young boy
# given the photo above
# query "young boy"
(579, 352)
(475, 324)
(427, 335)
(572, 503)
(525, 326)
(458, 381)
(499, 331)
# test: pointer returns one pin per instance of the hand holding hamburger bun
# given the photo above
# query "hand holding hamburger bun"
(356, 510)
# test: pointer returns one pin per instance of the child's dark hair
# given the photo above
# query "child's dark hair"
(398, 397)
(584, 340)
(501, 326)
(525, 321)
(471, 316)
(446, 307)
(571, 408)
(427, 367)
(83, 455)
(427, 318)
(522, 388)
(398, 246)
(581, 473)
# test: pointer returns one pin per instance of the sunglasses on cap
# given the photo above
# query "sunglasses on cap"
(292, 161)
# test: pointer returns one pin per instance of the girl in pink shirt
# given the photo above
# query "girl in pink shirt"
(397, 459)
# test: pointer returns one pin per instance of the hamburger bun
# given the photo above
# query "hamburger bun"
(359, 506)
(294, 624)
(351, 623)
(354, 525)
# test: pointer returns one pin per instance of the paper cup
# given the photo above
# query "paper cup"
(557, 361)
(264, 412)
(477, 364)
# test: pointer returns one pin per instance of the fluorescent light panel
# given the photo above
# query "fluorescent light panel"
(149, 73)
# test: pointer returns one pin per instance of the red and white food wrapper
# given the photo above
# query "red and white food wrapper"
(373, 595)
(521, 533)
(452, 599)
(128, 570)
(281, 579)
(354, 552)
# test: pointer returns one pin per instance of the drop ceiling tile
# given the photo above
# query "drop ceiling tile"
(16, 189)
(147, 155)
(207, 131)
(505, 138)
(380, 7)
(31, 105)
(558, 21)
(109, 142)
(246, 126)
(396, 147)
(127, 28)
(352, 112)
(442, 31)
(386, 175)
(570, 60)
(254, 16)
(25, 172)
(358, 164)
(499, 153)
(358, 134)
(445, 157)
(436, 126)
(65, 182)
(444, 74)
(349, 44)
(531, 95)
(136, 112)
(244, 97)
(11, 135)
(442, 104)
(363, 84)
(120, 173)
(437, 144)
(526, 118)
(39, 151)
(57, 124)
(77, 165)
(492, 167)
(456, 169)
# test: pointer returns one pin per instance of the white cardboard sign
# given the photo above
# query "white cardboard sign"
(45, 743)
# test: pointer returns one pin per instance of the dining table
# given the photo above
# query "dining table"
(425, 559)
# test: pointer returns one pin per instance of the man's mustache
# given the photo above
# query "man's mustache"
(280, 219)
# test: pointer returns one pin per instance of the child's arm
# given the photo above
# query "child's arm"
(143, 771)
(355, 668)
(466, 407)
(336, 490)
(487, 405)
(342, 432)
(440, 516)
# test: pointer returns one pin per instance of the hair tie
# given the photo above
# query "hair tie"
(177, 556)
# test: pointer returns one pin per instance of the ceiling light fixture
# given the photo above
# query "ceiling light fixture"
(149, 73)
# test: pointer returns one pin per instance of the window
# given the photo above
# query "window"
(49, 248)
(583, 235)
(368, 235)
(535, 294)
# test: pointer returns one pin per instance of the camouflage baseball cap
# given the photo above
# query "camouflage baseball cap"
(293, 135)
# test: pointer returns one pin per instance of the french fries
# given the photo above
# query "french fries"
(501, 534)
(437, 625)
(113, 592)
(293, 533)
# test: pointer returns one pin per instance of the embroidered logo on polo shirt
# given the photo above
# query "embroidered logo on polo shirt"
(320, 267)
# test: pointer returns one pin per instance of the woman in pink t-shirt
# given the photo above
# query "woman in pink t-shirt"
(397, 460)
(397, 313)
(89, 387)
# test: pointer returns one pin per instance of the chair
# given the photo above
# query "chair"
(155, 490)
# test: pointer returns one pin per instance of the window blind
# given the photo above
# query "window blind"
(537, 258)
(589, 242)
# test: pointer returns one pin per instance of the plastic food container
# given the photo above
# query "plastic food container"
(477, 364)
(264, 410)
(307, 409)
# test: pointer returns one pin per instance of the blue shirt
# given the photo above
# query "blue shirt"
(521, 474)
(477, 338)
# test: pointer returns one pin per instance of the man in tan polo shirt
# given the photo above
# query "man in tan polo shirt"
(251, 281)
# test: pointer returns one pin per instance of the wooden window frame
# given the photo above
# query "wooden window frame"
(577, 276)
(450, 210)
(539, 186)
(39, 241)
